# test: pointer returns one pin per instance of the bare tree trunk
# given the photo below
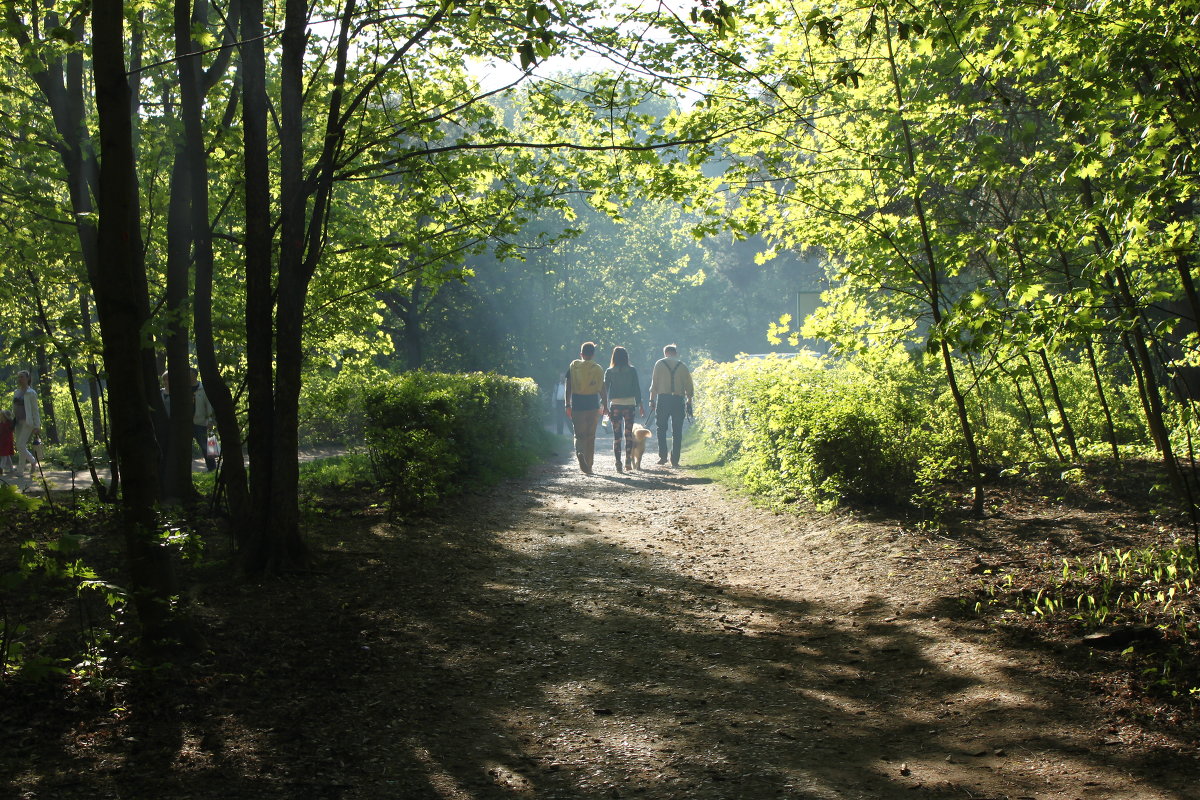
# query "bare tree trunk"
(122, 316)
(101, 490)
(1029, 423)
(1139, 355)
(260, 379)
(409, 338)
(1041, 398)
(284, 548)
(933, 287)
(1068, 429)
(191, 92)
(1108, 417)
(177, 436)
(93, 370)
(72, 389)
(46, 392)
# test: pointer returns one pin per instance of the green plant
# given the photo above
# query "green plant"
(1154, 588)
(429, 434)
(12, 500)
(332, 410)
(829, 431)
(327, 475)
(56, 565)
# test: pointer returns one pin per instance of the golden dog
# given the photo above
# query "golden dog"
(640, 434)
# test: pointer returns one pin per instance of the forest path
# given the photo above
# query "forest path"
(565, 637)
(654, 636)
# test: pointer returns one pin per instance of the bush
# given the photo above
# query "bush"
(826, 431)
(429, 433)
(331, 406)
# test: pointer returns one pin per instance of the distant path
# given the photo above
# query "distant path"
(61, 479)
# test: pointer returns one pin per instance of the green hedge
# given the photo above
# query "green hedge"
(826, 431)
(429, 434)
(331, 405)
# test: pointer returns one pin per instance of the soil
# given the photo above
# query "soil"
(618, 636)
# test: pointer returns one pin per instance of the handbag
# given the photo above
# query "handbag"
(214, 446)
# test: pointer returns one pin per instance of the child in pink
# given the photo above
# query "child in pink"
(6, 440)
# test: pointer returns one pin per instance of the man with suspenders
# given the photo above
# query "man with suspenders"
(670, 394)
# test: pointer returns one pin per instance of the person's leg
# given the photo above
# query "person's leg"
(616, 415)
(560, 415)
(662, 418)
(578, 434)
(200, 434)
(585, 437)
(670, 412)
(629, 438)
(677, 433)
(21, 440)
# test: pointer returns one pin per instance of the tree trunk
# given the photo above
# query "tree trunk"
(408, 313)
(1029, 423)
(177, 433)
(277, 546)
(1108, 417)
(1068, 429)
(1041, 398)
(101, 490)
(72, 389)
(46, 394)
(934, 290)
(93, 370)
(191, 93)
(260, 380)
(1139, 353)
(151, 574)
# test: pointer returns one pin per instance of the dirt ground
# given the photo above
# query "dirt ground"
(614, 636)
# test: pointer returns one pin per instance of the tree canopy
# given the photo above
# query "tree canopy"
(272, 192)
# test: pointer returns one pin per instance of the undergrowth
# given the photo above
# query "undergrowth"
(1145, 601)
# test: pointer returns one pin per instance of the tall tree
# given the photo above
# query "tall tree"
(120, 291)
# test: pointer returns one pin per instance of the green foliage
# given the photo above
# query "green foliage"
(13, 500)
(429, 434)
(1019, 423)
(328, 476)
(331, 405)
(877, 425)
(823, 430)
(57, 568)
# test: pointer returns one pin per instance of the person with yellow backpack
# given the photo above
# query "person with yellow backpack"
(586, 400)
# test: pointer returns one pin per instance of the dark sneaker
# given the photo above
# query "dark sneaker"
(662, 460)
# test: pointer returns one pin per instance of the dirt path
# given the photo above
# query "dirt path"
(654, 636)
(572, 638)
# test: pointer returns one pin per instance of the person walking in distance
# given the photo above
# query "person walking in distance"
(670, 395)
(27, 419)
(624, 397)
(559, 405)
(202, 420)
(586, 400)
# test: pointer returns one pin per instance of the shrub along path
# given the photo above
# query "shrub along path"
(644, 636)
